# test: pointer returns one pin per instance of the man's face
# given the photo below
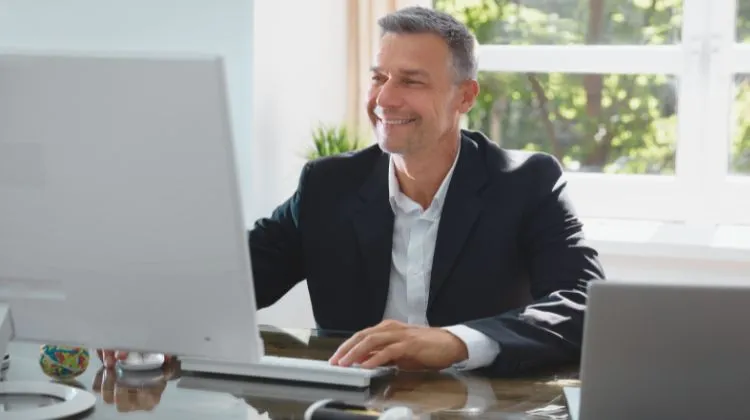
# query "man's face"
(414, 101)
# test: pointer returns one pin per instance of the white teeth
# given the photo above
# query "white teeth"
(392, 122)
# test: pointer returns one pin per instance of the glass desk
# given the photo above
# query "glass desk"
(171, 394)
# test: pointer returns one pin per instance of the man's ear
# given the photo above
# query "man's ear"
(469, 90)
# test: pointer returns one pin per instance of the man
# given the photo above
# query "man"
(440, 248)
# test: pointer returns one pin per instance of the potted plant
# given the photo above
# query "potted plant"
(330, 140)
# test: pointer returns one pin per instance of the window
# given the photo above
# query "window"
(740, 148)
(645, 102)
(602, 123)
(743, 21)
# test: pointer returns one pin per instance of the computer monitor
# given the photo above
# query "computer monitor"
(120, 217)
(664, 350)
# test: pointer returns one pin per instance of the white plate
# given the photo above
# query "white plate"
(74, 401)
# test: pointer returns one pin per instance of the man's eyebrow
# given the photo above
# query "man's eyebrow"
(405, 72)
(414, 72)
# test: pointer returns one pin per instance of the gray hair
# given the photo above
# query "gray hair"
(418, 20)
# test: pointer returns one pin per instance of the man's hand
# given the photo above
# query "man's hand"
(407, 346)
(132, 397)
(110, 357)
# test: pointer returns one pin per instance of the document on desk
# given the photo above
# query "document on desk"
(302, 336)
(573, 397)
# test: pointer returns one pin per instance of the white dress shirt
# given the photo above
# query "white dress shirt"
(414, 234)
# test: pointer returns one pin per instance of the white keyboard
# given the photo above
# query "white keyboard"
(292, 369)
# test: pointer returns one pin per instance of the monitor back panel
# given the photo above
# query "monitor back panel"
(120, 218)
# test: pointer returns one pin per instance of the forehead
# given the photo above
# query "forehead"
(426, 52)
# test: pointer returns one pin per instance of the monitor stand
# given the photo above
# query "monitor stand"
(74, 401)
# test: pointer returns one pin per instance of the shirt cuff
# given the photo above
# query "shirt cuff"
(482, 349)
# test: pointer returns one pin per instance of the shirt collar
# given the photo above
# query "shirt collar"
(398, 199)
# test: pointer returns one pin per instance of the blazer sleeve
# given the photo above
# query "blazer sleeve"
(275, 245)
(560, 265)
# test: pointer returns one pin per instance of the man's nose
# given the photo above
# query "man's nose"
(389, 96)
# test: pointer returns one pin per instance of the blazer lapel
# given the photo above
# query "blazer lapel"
(373, 226)
(460, 212)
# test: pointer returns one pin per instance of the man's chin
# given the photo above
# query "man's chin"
(391, 147)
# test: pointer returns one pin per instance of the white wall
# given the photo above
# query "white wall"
(300, 80)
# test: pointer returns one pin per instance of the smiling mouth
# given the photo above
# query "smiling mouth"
(393, 121)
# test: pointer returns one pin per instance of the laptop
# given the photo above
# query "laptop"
(664, 351)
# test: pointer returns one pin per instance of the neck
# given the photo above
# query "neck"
(420, 175)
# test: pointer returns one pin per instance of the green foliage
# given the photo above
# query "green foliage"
(740, 160)
(743, 21)
(614, 123)
(332, 140)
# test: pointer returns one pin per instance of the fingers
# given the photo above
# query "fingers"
(110, 357)
(347, 346)
(374, 342)
(148, 399)
(107, 388)
(107, 357)
(96, 385)
(389, 354)
(126, 398)
(169, 368)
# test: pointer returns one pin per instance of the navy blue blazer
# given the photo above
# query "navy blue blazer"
(510, 258)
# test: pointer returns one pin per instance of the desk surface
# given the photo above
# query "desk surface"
(171, 394)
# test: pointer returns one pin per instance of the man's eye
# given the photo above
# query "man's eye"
(412, 82)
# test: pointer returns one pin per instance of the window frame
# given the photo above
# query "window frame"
(701, 192)
(728, 58)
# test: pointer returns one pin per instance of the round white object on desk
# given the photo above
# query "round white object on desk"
(142, 361)
(397, 413)
(319, 410)
(74, 401)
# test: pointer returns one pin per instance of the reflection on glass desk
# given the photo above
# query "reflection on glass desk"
(172, 394)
